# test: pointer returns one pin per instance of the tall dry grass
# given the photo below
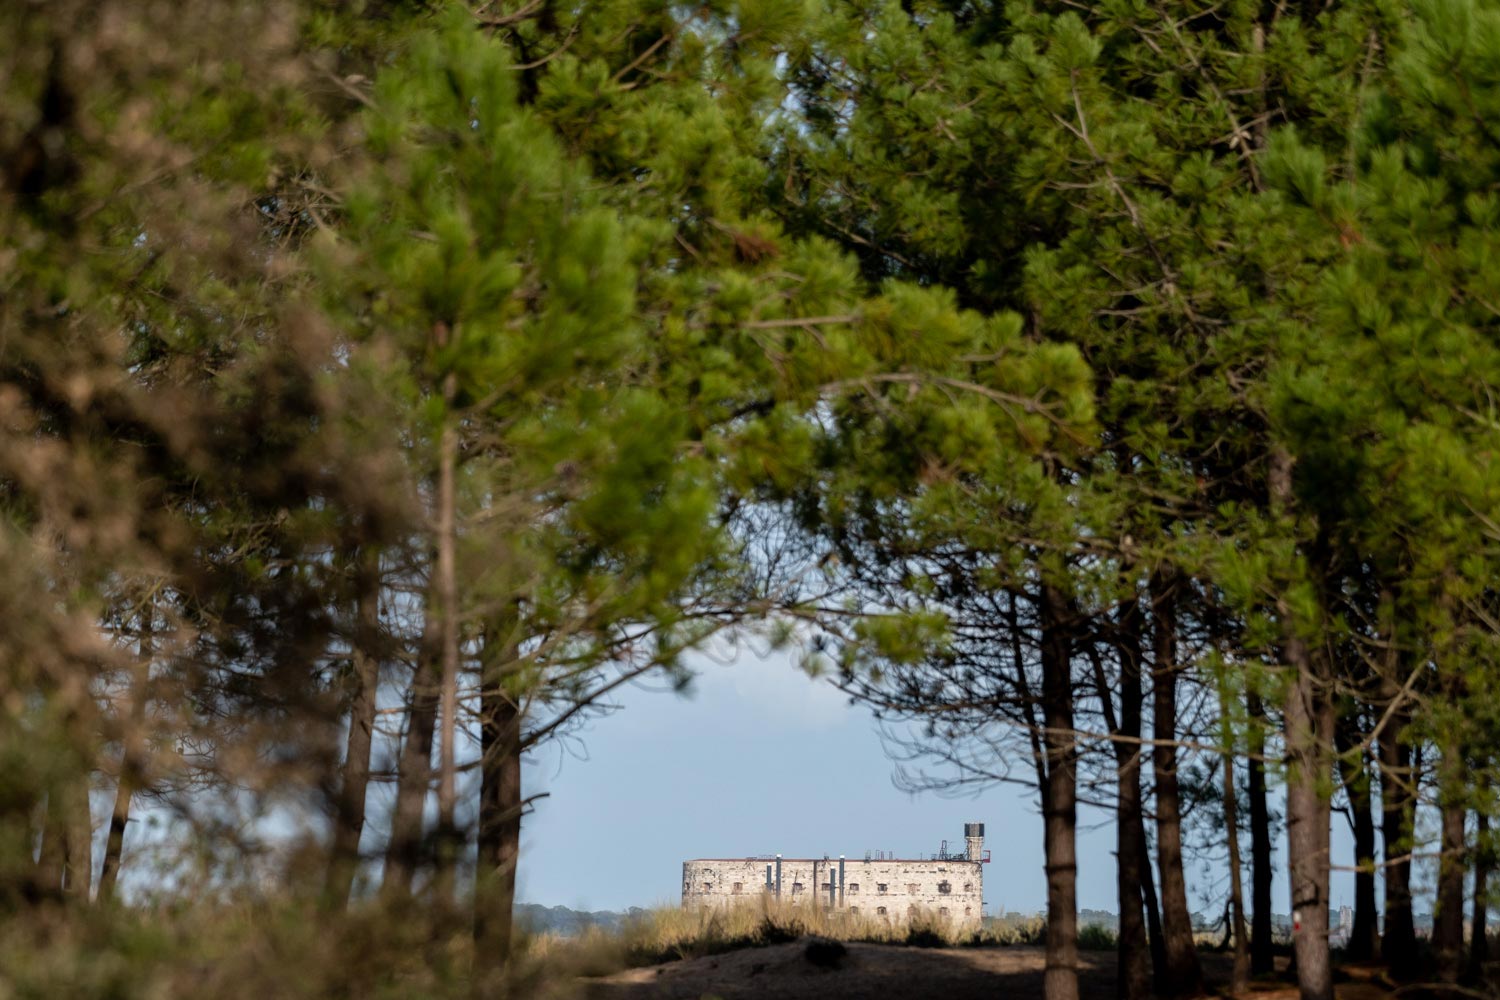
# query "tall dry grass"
(669, 933)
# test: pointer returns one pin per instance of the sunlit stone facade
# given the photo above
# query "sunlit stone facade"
(947, 886)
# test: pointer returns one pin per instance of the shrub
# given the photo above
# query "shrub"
(1097, 937)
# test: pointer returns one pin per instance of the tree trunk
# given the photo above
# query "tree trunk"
(1397, 790)
(445, 585)
(1184, 978)
(1241, 979)
(1059, 804)
(1479, 945)
(1308, 719)
(1448, 918)
(114, 844)
(1153, 919)
(1308, 730)
(132, 757)
(1262, 955)
(1133, 971)
(1364, 940)
(364, 682)
(404, 852)
(500, 807)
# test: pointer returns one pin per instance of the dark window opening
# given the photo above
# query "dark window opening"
(739, 887)
(945, 887)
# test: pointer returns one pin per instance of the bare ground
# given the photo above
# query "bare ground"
(886, 972)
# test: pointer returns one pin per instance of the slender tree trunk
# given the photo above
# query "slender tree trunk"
(132, 756)
(114, 844)
(1184, 978)
(1364, 940)
(364, 682)
(1153, 920)
(1262, 954)
(446, 586)
(1133, 975)
(1448, 918)
(1308, 719)
(1308, 730)
(1060, 981)
(1397, 790)
(501, 804)
(1241, 980)
(1479, 945)
(404, 852)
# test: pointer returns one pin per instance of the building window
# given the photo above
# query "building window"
(796, 888)
(882, 888)
(739, 887)
(968, 887)
(912, 888)
(854, 910)
(827, 886)
(880, 910)
(853, 888)
(708, 887)
(968, 911)
(945, 887)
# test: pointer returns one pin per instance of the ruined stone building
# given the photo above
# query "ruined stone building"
(948, 885)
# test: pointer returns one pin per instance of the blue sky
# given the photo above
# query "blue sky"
(759, 759)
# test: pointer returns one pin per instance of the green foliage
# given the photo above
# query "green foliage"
(1096, 937)
(889, 319)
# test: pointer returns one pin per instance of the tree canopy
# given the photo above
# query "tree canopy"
(1104, 395)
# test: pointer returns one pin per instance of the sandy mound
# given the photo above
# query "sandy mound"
(814, 968)
(807, 968)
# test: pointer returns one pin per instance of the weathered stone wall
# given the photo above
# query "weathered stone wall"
(893, 890)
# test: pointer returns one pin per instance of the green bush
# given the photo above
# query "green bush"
(1097, 937)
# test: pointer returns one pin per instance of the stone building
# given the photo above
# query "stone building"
(948, 885)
